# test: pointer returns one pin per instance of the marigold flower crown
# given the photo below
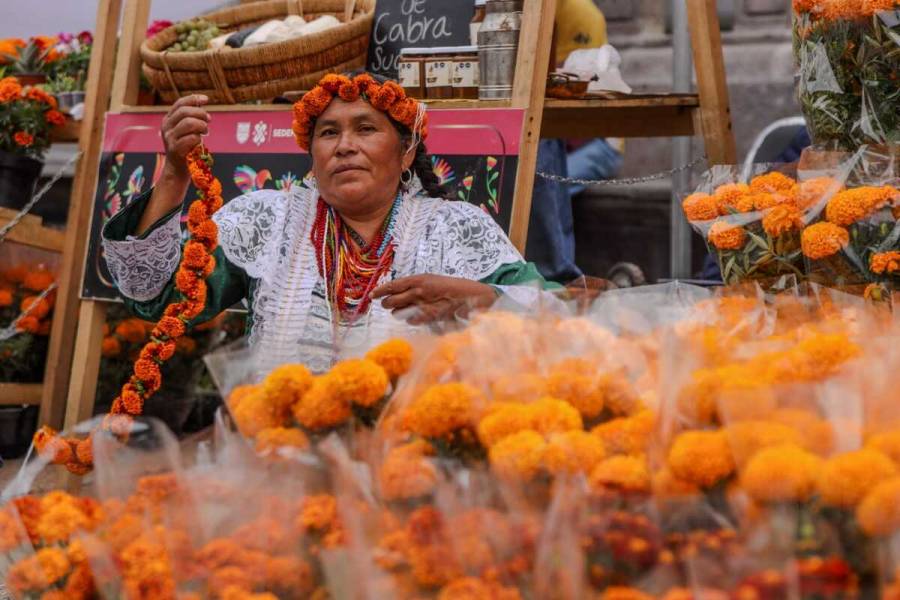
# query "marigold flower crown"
(387, 97)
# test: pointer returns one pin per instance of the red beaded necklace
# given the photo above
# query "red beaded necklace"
(350, 267)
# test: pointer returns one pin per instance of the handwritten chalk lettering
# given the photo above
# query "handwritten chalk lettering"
(413, 31)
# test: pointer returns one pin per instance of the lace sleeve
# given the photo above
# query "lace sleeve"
(463, 241)
(141, 267)
(250, 229)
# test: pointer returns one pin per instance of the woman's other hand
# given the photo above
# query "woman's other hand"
(421, 299)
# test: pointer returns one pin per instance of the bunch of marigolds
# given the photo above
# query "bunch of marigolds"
(665, 442)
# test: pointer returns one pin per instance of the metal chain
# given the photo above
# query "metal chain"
(11, 329)
(625, 181)
(4, 231)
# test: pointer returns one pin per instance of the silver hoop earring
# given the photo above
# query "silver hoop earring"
(406, 178)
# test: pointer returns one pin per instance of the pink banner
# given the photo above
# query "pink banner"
(451, 131)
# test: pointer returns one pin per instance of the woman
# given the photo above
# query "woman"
(327, 267)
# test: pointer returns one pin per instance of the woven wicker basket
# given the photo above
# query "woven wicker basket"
(231, 75)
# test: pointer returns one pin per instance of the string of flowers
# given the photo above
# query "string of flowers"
(197, 263)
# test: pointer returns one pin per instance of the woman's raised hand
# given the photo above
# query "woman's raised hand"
(182, 129)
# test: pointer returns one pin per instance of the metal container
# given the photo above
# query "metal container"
(498, 44)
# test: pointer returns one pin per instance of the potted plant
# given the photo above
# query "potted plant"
(69, 73)
(27, 114)
(30, 61)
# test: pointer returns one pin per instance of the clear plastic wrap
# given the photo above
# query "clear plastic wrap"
(848, 55)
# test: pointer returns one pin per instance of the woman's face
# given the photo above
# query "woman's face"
(358, 157)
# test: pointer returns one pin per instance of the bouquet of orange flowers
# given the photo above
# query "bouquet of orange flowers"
(26, 317)
(849, 54)
(290, 404)
(858, 241)
(27, 114)
(754, 227)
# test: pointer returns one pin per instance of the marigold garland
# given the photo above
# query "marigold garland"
(196, 265)
(885, 262)
(388, 97)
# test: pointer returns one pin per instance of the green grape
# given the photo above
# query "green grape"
(176, 47)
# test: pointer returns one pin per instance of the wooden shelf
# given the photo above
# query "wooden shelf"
(67, 133)
(15, 394)
(648, 115)
(31, 232)
(662, 115)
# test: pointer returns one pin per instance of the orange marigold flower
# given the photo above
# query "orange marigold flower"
(360, 381)
(701, 457)
(785, 473)
(254, 413)
(273, 438)
(442, 410)
(146, 370)
(733, 197)
(575, 380)
(195, 255)
(878, 514)
(6, 298)
(54, 117)
(318, 513)
(321, 406)
(38, 280)
(131, 331)
(394, 356)
(47, 567)
(110, 347)
(886, 442)
(28, 324)
(726, 236)
(349, 92)
(61, 516)
(764, 201)
(846, 478)
(627, 435)
(550, 415)
(628, 474)
(406, 472)
(23, 138)
(700, 207)
(11, 531)
(822, 240)
(854, 205)
(170, 327)
(771, 183)
(35, 307)
(782, 219)
(284, 387)
(573, 452)
(749, 437)
(885, 262)
(518, 457)
(84, 451)
(504, 419)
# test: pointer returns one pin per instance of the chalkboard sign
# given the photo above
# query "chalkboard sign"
(416, 24)
(474, 155)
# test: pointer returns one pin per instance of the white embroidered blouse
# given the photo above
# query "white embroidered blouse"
(265, 255)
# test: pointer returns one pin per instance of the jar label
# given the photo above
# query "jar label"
(465, 73)
(408, 74)
(439, 73)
